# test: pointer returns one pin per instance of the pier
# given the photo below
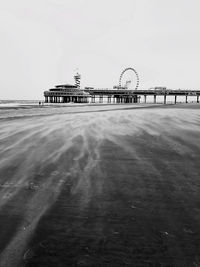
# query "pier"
(117, 96)
(126, 92)
(133, 96)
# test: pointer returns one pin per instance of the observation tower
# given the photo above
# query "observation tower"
(77, 79)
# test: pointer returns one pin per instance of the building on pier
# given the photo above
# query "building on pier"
(67, 93)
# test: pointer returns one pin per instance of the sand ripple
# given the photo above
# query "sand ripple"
(90, 154)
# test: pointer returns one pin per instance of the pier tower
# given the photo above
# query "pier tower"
(77, 79)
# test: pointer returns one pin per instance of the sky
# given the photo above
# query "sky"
(44, 42)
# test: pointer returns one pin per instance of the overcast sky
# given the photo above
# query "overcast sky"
(42, 42)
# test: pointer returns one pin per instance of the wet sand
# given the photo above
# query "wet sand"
(100, 186)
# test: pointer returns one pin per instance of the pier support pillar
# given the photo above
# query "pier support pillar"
(186, 99)
(145, 99)
(154, 97)
(109, 99)
(175, 101)
(165, 99)
(198, 99)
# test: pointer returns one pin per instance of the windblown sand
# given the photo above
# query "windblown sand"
(100, 186)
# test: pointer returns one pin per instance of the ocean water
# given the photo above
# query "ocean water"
(104, 185)
(18, 103)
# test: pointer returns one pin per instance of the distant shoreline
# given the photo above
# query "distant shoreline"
(122, 106)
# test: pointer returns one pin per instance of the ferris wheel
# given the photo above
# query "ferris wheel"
(129, 79)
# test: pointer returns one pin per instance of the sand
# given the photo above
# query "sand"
(107, 185)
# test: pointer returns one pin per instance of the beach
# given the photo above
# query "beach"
(100, 185)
